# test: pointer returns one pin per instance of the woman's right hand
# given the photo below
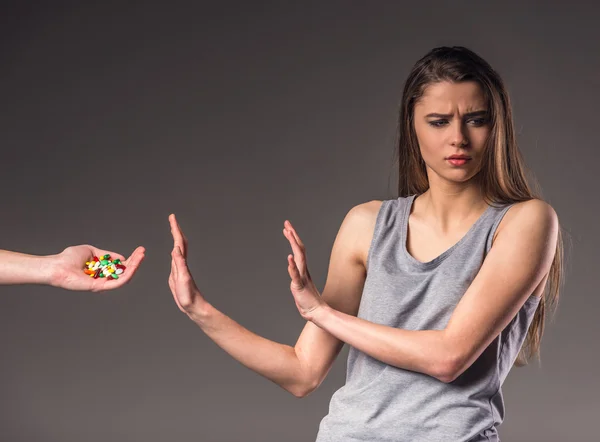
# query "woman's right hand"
(182, 285)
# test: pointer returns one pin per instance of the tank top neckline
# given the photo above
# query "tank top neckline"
(438, 259)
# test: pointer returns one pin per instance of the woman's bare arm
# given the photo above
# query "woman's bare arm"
(299, 369)
(515, 269)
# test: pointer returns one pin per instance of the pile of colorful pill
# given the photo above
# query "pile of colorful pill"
(104, 268)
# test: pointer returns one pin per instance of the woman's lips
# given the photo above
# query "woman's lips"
(458, 161)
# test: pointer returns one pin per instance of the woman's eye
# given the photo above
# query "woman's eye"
(438, 123)
(478, 121)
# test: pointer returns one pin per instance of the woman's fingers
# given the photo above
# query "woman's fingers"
(185, 286)
(181, 268)
(295, 274)
(174, 272)
(177, 255)
(297, 249)
(173, 285)
(174, 278)
(288, 224)
(179, 239)
(184, 239)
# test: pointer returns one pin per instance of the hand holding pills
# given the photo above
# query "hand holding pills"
(86, 267)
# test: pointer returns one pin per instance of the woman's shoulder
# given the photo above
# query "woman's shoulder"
(366, 211)
(369, 210)
(358, 227)
(363, 216)
(533, 212)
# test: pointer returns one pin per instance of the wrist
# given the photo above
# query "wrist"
(47, 270)
(200, 312)
(320, 315)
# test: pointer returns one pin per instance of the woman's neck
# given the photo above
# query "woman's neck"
(447, 207)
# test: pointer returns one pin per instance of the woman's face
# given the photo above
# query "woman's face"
(452, 119)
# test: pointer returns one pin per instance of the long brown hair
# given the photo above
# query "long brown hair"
(503, 176)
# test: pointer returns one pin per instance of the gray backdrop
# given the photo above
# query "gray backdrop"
(235, 117)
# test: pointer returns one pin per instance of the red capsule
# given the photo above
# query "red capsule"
(96, 259)
(97, 274)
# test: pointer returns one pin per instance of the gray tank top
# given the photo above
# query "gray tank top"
(380, 402)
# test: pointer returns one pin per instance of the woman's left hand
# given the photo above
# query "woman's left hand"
(307, 297)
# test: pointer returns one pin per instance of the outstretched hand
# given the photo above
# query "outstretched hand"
(69, 265)
(182, 285)
(307, 297)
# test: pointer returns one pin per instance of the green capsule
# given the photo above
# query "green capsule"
(107, 256)
(114, 276)
(104, 262)
(117, 261)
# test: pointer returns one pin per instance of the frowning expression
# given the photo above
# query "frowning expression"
(452, 124)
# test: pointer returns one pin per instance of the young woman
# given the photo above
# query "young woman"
(438, 292)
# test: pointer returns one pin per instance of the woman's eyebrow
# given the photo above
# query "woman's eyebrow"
(467, 115)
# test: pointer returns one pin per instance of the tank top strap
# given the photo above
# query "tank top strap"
(498, 213)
